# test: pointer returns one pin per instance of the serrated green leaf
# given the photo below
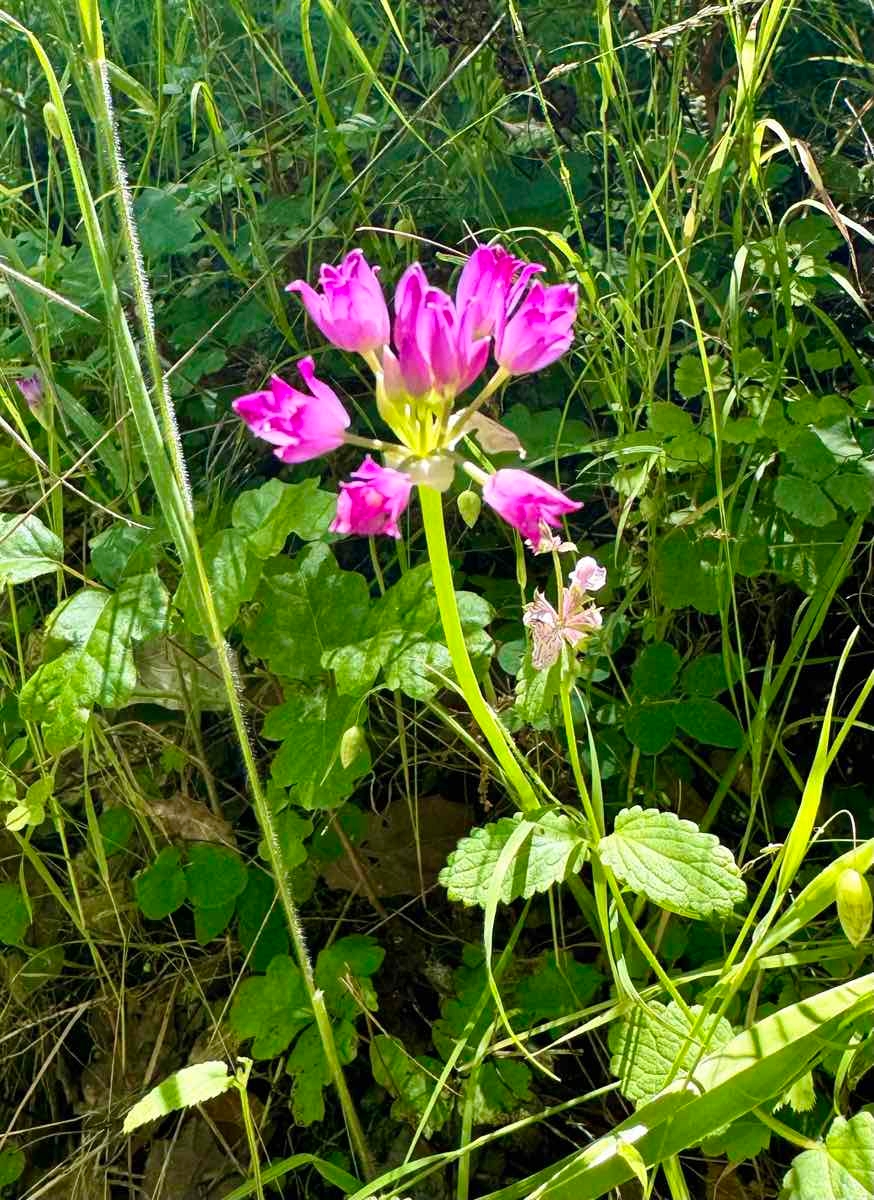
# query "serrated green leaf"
(654, 1040)
(311, 725)
(650, 727)
(689, 379)
(709, 722)
(672, 863)
(307, 1066)
(556, 987)
(852, 490)
(191, 1085)
(842, 1168)
(808, 457)
(161, 888)
(272, 1008)
(553, 850)
(705, 676)
(215, 875)
(305, 611)
(28, 548)
(99, 667)
(655, 671)
(411, 1081)
(261, 926)
(14, 914)
(268, 515)
(233, 572)
(164, 226)
(669, 419)
(742, 1139)
(804, 500)
(687, 572)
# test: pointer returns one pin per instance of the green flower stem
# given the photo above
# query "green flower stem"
(515, 776)
(162, 451)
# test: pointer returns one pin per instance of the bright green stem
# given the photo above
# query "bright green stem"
(441, 572)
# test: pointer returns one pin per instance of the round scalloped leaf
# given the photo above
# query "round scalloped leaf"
(672, 863)
(653, 1043)
(552, 851)
(840, 1168)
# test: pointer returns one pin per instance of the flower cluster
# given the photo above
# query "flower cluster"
(436, 347)
(574, 620)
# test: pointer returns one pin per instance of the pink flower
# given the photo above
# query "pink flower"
(485, 288)
(300, 425)
(550, 629)
(538, 330)
(31, 390)
(372, 501)
(524, 501)
(350, 311)
(587, 576)
(435, 346)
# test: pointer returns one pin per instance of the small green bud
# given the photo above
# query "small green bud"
(855, 906)
(469, 505)
(50, 116)
(352, 745)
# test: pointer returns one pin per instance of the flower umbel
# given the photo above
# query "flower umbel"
(350, 311)
(301, 426)
(371, 502)
(527, 503)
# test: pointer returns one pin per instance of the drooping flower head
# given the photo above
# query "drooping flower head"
(526, 502)
(538, 329)
(588, 575)
(350, 310)
(300, 425)
(31, 390)
(436, 350)
(372, 500)
(572, 622)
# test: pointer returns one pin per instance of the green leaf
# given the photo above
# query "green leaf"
(672, 863)
(689, 377)
(12, 1164)
(116, 826)
(808, 457)
(556, 987)
(210, 922)
(552, 851)
(669, 419)
(742, 1139)
(650, 727)
(261, 926)
(32, 809)
(161, 888)
(653, 1043)
(99, 666)
(358, 956)
(709, 722)
(268, 515)
(121, 550)
(215, 875)
(852, 490)
(164, 226)
(546, 433)
(705, 676)
(233, 572)
(411, 1081)
(14, 914)
(28, 548)
(687, 572)
(271, 1008)
(190, 1086)
(292, 830)
(309, 1069)
(842, 1168)
(536, 691)
(804, 500)
(306, 610)
(655, 672)
(311, 725)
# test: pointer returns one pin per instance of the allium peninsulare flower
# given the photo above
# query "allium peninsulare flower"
(31, 390)
(486, 289)
(435, 347)
(301, 426)
(526, 502)
(588, 575)
(538, 330)
(372, 500)
(350, 310)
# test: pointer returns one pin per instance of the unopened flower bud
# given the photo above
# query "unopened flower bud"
(50, 116)
(855, 906)
(469, 505)
(352, 745)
